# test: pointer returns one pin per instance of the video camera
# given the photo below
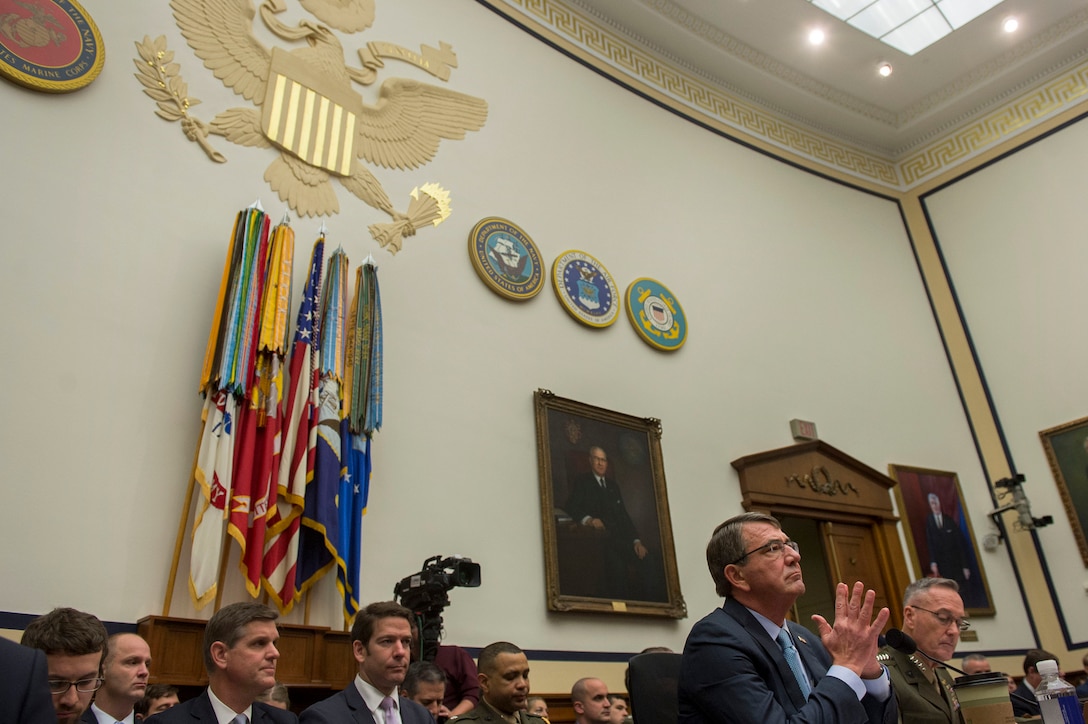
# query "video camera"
(426, 595)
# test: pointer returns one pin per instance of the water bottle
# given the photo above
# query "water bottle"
(1058, 702)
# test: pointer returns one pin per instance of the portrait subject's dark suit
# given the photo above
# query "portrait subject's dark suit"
(588, 499)
(24, 686)
(918, 699)
(348, 706)
(200, 710)
(733, 672)
(945, 543)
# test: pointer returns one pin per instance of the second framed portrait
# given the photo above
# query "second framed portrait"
(608, 544)
(939, 532)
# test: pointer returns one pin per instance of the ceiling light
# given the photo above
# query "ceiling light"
(885, 69)
(816, 36)
(907, 25)
(1010, 25)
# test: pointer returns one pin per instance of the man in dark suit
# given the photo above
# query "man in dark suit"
(595, 501)
(73, 642)
(947, 554)
(504, 687)
(24, 685)
(240, 656)
(1025, 703)
(125, 669)
(745, 663)
(381, 642)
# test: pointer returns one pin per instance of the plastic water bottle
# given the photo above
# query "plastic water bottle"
(1058, 700)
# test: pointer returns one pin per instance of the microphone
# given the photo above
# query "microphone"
(904, 644)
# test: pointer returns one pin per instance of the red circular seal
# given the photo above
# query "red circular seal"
(49, 45)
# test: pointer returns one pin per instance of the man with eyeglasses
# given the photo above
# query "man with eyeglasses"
(933, 615)
(745, 664)
(74, 643)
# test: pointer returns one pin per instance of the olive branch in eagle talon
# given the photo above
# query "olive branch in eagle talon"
(160, 78)
(310, 112)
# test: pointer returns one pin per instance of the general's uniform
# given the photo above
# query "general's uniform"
(925, 695)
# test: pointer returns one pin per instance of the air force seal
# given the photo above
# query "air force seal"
(656, 315)
(585, 289)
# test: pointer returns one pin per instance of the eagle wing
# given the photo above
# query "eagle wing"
(221, 33)
(404, 128)
(348, 16)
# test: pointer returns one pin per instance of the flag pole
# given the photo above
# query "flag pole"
(222, 576)
(181, 533)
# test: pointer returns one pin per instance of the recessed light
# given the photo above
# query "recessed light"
(816, 36)
(885, 69)
(1010, 25)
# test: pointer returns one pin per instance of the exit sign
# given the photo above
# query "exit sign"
(803, 430)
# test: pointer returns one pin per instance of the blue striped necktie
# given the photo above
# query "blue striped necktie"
(794, 661)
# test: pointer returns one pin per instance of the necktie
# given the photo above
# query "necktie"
(390, 710)
(600, 481)
(794, 661)
(240, 719)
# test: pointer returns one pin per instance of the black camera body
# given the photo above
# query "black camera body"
(426, 594)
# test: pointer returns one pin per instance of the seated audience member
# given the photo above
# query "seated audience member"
(1082, 690)
(462, 685)
(975, 664)
(277, 696)
(745, 664)
(592, 705)
(504, 687)
(240, 656)
(125, 669)
(74, 643)
(24, 685)
(425, 684)
(157, 698)
(1025, 704)
(380, 641)
(620, 713)
(536, 706)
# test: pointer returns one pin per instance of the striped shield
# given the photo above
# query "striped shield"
(311, 116)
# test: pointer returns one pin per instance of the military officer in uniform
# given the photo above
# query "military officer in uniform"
(933, 615)
(504, 687)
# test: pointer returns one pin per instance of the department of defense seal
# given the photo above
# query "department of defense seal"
(656, 315)
(585, 289)
(506, 259)
(49, 45)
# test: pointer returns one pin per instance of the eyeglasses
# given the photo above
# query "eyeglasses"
(961, 623)
(773, 549)
(86, 686)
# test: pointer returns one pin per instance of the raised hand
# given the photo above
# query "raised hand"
(852, 640)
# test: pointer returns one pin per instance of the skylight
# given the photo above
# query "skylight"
(907, 25)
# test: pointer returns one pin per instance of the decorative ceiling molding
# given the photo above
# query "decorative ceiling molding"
(692, 93)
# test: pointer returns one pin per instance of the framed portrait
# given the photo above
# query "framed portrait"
(939, 533)
(608, 545)
(1066, 449)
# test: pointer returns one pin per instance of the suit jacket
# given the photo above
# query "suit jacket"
(587, 497)
(946, 547)
(24, 687)
(200, 710)
(348, 705)
(919, 701)
(1022, 708)
(732, 671)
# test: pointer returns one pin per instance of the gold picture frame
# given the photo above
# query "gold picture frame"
(949, 549)
(608, 548)
(1066, 449)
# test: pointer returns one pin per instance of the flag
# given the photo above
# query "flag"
(319, 533)
(299, 440)
(213, 472)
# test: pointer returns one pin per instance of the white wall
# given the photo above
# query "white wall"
(1012, 237)
(802, 295)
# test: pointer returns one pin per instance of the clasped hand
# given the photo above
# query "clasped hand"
(852, 640)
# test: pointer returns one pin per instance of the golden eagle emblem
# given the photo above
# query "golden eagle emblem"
(309, 109)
